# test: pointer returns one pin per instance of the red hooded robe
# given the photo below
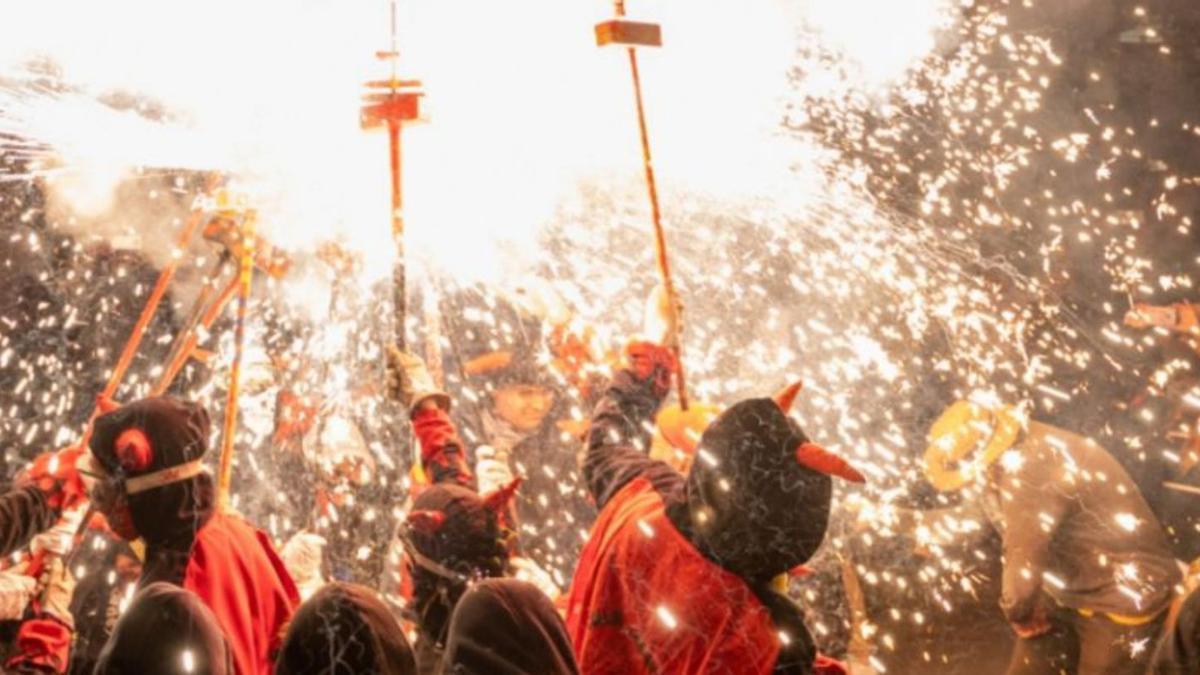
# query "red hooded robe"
(229, 565)
(675, 577)
(236, 572)
(653, 619)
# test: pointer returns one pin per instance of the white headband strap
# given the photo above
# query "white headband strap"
(421, 560)
(166, 476)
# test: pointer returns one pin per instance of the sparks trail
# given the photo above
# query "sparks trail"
(934, 235)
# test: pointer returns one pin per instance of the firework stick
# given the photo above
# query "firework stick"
(179, 359)
(390, 103)
(399, 275)
(245, 277)
(181, 339)
(660, 239)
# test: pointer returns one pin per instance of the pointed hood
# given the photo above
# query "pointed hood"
(345, 629)
(149, 436)
(452, 536)
(755, 509)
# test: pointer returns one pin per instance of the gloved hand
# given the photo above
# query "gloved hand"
(16, 590)
(653, 363)
(409, 383)
(59, 539)
(491, 471)
(527, 570)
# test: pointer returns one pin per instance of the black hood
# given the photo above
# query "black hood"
(507, 627)
(166, 629)
(466, 541)
(178, 432)
(753, 508)
(344, 629)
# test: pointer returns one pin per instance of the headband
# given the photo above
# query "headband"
(174, 474)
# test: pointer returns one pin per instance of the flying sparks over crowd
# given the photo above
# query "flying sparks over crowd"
(902, 205)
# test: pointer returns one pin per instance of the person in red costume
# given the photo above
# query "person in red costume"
(41, 493)
(48, 495)
(155, 487)
(679, 574)
(453, 536)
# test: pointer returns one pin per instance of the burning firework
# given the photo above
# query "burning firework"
(902, 204)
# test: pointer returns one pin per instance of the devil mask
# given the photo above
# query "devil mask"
(151, 451)
(452, 537)
(759, 491)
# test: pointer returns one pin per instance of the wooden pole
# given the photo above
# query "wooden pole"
(660, 239)
(198, 308)
(180, 358)
(390, 103)
(229, 431)
(156, 295)
(143, 322)
(399, 274)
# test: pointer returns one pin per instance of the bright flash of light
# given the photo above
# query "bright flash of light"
(666, 617)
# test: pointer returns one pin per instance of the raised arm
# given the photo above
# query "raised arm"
(621, 424)
(443, 458)
(24, 512)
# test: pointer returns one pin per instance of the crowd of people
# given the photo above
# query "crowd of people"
(681, 566)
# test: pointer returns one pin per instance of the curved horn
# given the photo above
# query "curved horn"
(498, 500)
(813, 456)
(784, 398)
(426, 522)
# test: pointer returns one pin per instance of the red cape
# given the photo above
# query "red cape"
(645, 600)
(237, 573)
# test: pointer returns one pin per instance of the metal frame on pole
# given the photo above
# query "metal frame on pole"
(390, 103)
(634, 34)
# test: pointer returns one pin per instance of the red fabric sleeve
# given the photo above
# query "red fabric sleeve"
(43, 646)
(827, 666)
(442, 455)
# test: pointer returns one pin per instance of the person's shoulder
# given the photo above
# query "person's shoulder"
(639, 493)
(229, 530)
